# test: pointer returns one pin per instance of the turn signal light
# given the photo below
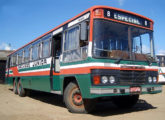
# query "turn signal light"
(96, 80)
(98, 13)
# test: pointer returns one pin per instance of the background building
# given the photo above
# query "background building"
(3, 58)
(161, 60)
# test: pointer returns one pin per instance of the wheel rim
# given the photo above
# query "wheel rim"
(76, 98)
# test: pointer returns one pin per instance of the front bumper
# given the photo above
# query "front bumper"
(125, 90)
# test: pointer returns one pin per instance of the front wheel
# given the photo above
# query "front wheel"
(125, 101)
(74, 101)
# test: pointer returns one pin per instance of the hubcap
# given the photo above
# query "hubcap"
(77, 98)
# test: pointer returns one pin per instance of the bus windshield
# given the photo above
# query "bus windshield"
(119, 41)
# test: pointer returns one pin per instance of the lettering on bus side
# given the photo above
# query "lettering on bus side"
(33, 64)
(39, 63)
(27, 65)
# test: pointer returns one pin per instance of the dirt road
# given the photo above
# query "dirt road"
(44, 106)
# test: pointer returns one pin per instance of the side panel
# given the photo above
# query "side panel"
(57, 83)
(34, 75)
(84, 82)
(9, 80)
(41, 83)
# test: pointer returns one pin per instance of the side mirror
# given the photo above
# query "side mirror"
(83, 31)
(57, 65)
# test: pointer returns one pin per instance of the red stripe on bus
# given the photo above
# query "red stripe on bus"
(82, 70)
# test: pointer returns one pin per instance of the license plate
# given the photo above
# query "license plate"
(135, 90)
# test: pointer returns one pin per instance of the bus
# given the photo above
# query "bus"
(161, 63)
(161, 75)
(103, 52)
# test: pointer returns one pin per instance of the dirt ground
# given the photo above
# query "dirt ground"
(44, 106)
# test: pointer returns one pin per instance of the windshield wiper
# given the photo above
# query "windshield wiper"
(118, 60)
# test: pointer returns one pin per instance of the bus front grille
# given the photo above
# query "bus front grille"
(129, 77)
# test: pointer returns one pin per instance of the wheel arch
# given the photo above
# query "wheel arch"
(67, 80)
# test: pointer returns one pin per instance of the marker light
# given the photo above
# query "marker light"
(98, 13)
(96, 80)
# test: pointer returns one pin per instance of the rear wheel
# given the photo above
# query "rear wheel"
(74, 101)
(15, 87)
(125, 101)
(21, 90)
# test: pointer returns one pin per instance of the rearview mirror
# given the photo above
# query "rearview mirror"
(57, 65)
(83, 31)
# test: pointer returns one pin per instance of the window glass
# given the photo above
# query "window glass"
(14, 57)
(45, 48)
(72, 50)
(20, 55)
(26, 55)
(119, 41)
(71, 39)
(35, 50)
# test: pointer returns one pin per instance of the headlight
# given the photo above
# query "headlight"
(112, 79)
(154, 79)
(104, 79)
(150, 79)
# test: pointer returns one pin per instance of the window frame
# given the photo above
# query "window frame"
(34, 45)
(64, 37)
(15, 54)
(42, 42)
(18, 53)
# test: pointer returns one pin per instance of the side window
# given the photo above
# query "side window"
(20, 56)
(72, 51)
(71, 39)
(35, 49)
(14, 59)
(46, 48)
(26, 55)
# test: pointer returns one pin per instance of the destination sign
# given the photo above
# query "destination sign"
(126, 17)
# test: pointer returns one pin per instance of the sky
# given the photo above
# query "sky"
(21, 21)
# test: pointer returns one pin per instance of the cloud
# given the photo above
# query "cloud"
(5, 46)
(121, 2)
(161, 52)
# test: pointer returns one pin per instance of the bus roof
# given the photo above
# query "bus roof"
(89, 9)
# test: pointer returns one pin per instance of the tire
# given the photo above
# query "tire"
(15, 87)
(21, 90)
(125, 101)
(74, 101)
